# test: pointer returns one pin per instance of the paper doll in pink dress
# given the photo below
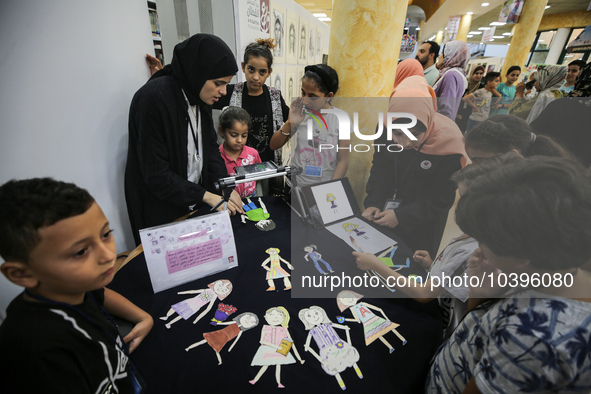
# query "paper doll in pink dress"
(219, 289)
(334, 354)
(275, 271)
(218, 339)
(276, 343)
(374, 327)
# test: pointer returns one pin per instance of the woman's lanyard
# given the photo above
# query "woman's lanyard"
(195, 140)
(396, 180)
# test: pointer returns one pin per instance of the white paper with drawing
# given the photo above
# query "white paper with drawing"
(332, 201)
(361, 236)
(184, 251)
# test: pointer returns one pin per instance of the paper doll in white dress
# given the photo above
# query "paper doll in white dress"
(276, 345)
(218, 339)
(219, 289)
(334, 354)
(374, 327)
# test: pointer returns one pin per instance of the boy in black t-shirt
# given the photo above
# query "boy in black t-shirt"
(58, 336)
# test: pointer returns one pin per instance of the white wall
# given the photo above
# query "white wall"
(68, 71)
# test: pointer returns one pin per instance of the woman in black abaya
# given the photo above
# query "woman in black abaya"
(173, 157)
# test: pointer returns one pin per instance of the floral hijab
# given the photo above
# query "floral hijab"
(551, 77)
(455, 55)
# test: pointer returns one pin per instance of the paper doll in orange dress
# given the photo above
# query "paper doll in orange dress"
(276, 343)
(275, 271)
(218, 339)
(374, 327)
(219, 289)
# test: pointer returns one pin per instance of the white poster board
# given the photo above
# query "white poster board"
(184, 251)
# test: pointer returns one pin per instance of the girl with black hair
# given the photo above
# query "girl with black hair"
(503, 133)
(313, 164)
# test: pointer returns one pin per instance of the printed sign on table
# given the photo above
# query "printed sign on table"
(184, 251)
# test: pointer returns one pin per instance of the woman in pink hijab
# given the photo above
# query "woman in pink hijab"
(411, 191)
(452, 82)
(407, 68)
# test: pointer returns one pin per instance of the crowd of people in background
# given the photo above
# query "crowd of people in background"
(518, 158)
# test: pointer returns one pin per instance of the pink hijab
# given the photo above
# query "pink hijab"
(407, 68)
(443, 137)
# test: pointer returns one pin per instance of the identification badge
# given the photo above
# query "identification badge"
(313, 171)
(391, 205)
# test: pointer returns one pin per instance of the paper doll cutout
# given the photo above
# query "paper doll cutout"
(218, 339)
(259, 215)
(374, 327)
(222, 313)
(334, 354)
(353, 227)
(276, 344)
(219, 289)
(312, 252)
(389, 261)
(275, 271)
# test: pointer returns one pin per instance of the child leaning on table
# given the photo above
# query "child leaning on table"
(451, 262)
(532, 219)
(57, 335)
(235, 124)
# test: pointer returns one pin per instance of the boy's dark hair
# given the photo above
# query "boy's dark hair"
(513, 68)
(502, 133)
(468, 174)
(433, 48)
(538, 209)
(31, 204)
(580, 63)
(491, 76)
(324, 76)
(261, 48)
(230, 115)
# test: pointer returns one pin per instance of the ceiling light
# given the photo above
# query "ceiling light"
(507, 34)
(498, 37)
(485, 4)
(418, 28)
(319, 15)
(548, 6)
(469, 36)
(491, 40)
(475, 32)
(497, 24)
(484, 28)
(469, 13)
(324, 19)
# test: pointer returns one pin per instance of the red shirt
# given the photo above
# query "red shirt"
(247, 156)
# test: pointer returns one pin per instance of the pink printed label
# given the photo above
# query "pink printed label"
(191, 256)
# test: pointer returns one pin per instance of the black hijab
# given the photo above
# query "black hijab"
(198, 59)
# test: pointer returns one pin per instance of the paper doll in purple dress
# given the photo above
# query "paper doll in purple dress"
(218, 339)
(312, 252)
(374, 327)
(331, 199)
(219, 289)
(276, 343)
(334, 354)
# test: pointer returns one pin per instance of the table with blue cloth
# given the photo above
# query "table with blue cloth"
(167, 368)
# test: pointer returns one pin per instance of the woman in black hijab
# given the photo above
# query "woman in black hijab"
(173, 157)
